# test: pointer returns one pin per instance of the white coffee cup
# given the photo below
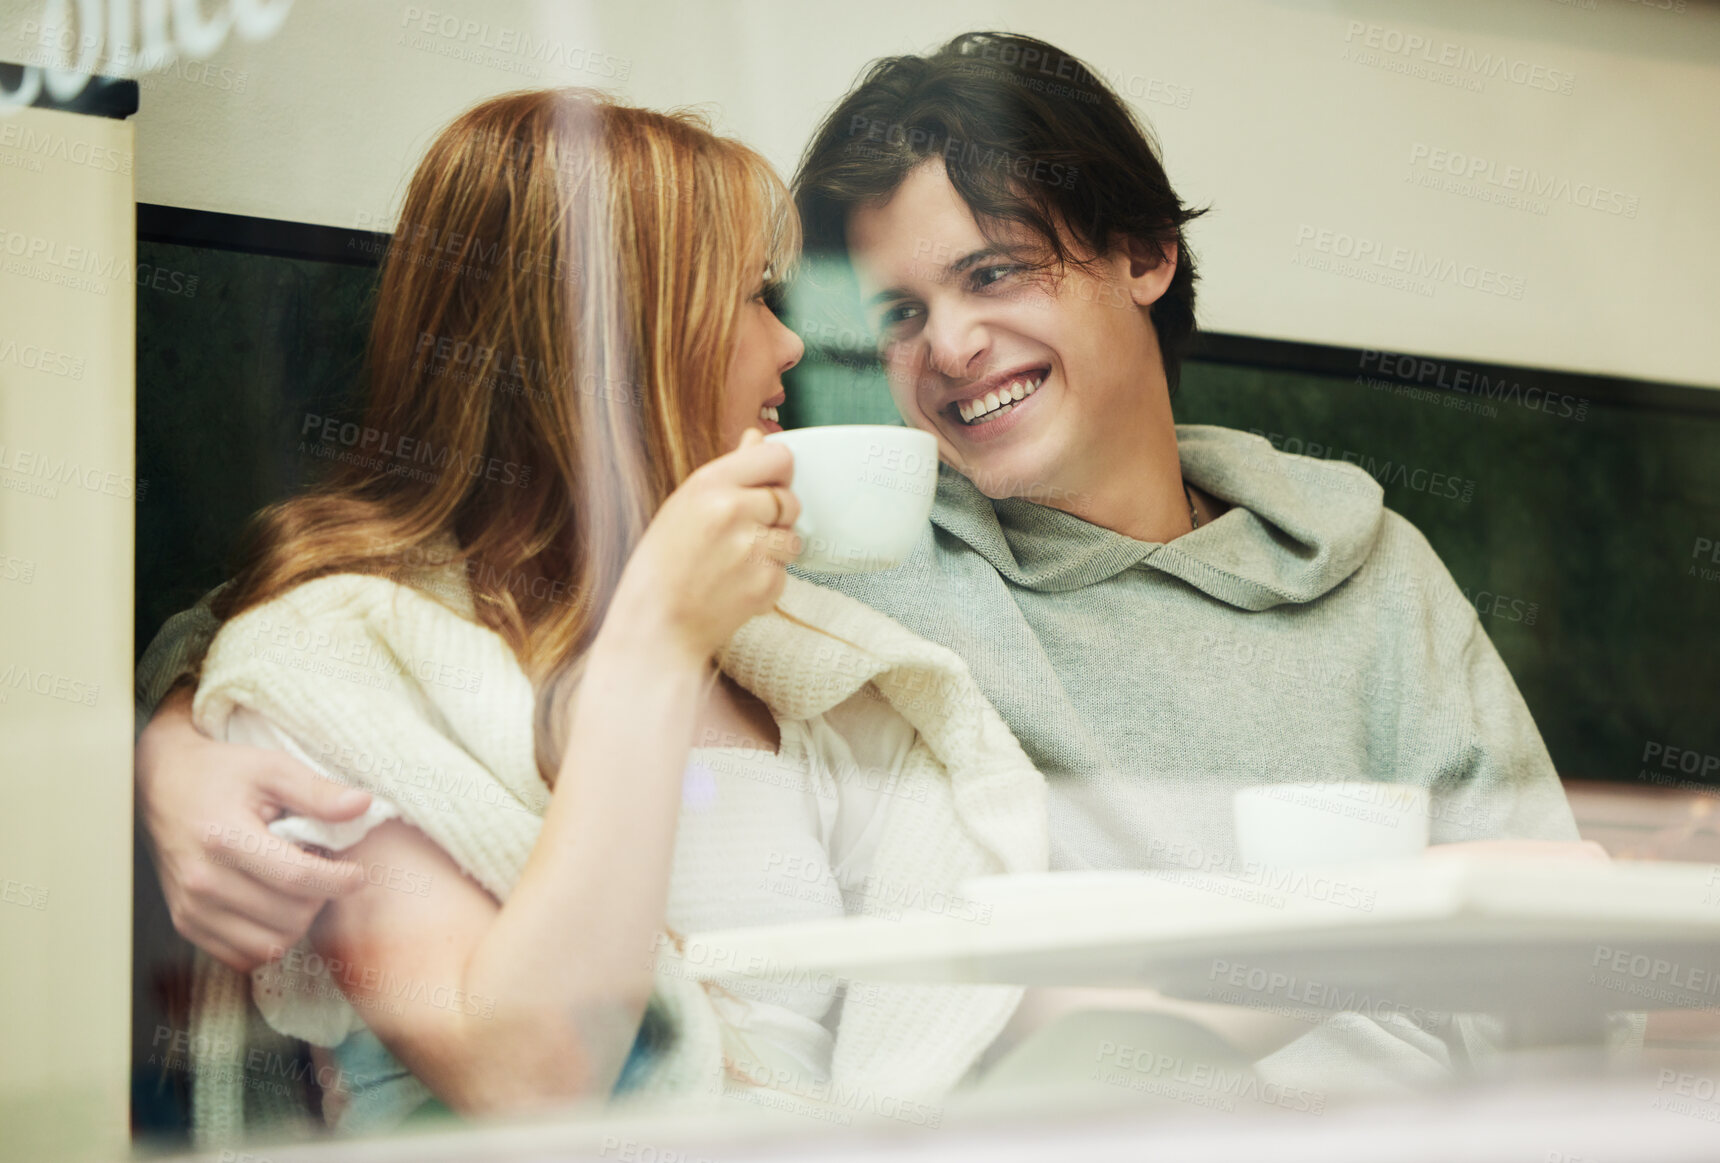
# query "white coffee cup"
(865, 493)
(1301, 824)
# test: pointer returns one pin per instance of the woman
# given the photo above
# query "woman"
(501, 621)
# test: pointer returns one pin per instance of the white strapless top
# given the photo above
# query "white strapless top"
(763, 839)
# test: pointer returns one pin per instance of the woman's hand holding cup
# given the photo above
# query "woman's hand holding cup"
(713, 556)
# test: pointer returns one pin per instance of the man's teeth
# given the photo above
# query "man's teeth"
(767, 413)
(995, 403)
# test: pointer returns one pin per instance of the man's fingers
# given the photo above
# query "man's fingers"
(302, 792)
(217, 948)
(239, 941)
(276, 865)
(284, 867)
(234, 940)
(265, 901)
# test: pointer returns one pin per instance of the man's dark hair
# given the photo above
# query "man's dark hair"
(1029, 135)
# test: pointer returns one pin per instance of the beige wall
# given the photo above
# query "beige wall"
(67, 502)
(1300, 152)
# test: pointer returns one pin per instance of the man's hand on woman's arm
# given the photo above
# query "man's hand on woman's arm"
(238, 892)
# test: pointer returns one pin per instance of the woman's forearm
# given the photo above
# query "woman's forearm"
(553, 982)
(568, 959)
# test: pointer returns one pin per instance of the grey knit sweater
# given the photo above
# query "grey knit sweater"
(1308, 633)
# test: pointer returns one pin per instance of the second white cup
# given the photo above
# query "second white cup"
(1289, 825)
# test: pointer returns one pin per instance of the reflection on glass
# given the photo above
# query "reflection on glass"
(1068, 714)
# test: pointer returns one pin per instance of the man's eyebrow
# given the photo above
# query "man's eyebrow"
(955, 268)
(967, 260)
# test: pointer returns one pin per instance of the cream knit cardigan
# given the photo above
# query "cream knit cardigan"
(314, 661)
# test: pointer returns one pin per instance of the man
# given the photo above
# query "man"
(1163, 617)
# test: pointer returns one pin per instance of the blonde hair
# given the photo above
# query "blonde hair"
(590, 260)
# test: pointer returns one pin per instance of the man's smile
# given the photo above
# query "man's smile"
(985, 409)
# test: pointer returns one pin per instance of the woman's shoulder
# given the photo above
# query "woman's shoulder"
(368, 629)
(376, 599)
(361, 657)
(431, 572)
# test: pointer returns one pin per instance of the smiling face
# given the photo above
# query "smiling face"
(763, 349)
(1037, 384)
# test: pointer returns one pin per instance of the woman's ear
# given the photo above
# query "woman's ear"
(1146, 270)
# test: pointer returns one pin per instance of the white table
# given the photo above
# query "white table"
(1550, 945)
(1567, 1123)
